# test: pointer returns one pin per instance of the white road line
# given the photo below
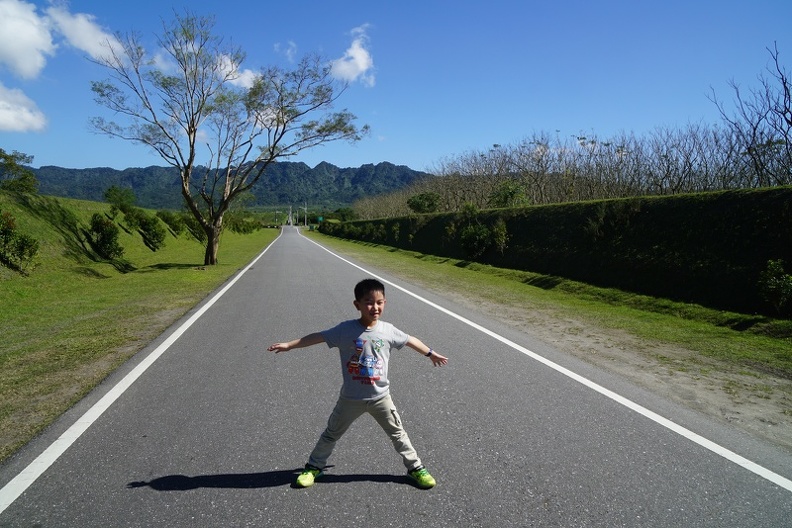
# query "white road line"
(731, 456)
(35, 469)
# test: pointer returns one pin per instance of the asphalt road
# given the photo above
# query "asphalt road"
(205, 428)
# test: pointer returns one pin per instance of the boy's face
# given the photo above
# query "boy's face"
(371, 306)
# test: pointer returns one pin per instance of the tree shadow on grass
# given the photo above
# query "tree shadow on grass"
(63, 220)
(90, 272)
(267, 479)
(164, 266)
(77, 243)
(545, 282)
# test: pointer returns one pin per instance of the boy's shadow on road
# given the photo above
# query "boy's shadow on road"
(268, 479)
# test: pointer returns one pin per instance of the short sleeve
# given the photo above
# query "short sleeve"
(332, 335)
(398, 339)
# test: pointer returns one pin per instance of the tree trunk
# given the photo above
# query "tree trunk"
(212, 244)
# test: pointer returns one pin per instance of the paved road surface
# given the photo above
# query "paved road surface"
(212, 432)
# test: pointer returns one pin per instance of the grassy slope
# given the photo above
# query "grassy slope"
(73, 319)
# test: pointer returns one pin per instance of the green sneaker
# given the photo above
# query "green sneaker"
(422, 478)
(308, 476)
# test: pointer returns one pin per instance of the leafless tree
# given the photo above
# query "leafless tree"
(761, 122)
(198, 96)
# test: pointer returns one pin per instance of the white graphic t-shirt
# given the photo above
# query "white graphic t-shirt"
(364, 353)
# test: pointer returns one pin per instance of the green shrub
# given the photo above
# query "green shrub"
(508, 194)
(500, 235)
(427, 202)
(104, 237)
(152, 231)
(775, 285)
(7, 229)
(173, 220)
(133, 217)
(475, 239)
(17, 250)
(24, 250)
(147, 225)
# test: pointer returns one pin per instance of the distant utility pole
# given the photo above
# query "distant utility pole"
(305, 209)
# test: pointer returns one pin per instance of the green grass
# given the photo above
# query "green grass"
(73, 319)
(755, 343)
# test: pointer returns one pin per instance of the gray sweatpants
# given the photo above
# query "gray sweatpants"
(346, 412)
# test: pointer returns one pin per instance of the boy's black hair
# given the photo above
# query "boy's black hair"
(367, 286)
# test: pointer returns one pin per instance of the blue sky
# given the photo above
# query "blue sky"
(433, 79)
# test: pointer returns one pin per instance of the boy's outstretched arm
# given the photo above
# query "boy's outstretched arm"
(310, 339)
(419, 346)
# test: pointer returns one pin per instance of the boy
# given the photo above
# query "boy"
(364, 345)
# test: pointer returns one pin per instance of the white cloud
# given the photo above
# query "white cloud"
(245, 79)
(242, 78)
(357, 62)
(25, 39)
(81, 31)
(162, 61)
(27, 42)
(18, 113)
(289, 51)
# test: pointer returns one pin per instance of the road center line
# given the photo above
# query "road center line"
(729, 455)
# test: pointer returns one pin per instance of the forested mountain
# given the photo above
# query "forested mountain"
(284, 183)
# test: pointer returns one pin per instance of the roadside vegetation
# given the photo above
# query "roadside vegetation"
(75, 315)
(737, 340)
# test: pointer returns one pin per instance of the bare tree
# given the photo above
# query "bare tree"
(532, 160)
(762, 124)
(199, 96)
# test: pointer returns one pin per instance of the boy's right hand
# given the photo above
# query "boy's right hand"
(438, 360)
(279, 347)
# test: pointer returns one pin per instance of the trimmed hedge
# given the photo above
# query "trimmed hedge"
(707, 248)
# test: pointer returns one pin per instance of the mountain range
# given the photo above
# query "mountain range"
(284, 183)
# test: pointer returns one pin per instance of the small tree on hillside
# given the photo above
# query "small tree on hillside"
(200, 95)
(14, 175)
(120, 199)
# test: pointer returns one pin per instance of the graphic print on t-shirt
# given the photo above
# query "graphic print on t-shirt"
(366, 368)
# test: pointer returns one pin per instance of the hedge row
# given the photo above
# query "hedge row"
(707, 248)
